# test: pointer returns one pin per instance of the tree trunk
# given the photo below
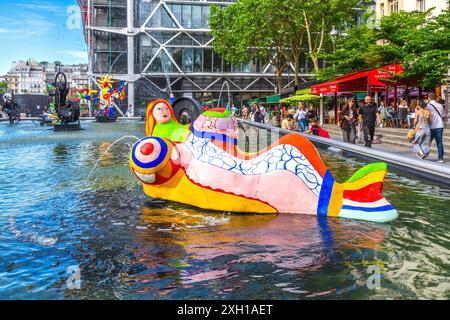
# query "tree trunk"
(279, 80)
(296, 64)
(315, 62)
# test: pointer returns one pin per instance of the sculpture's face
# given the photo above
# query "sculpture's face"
(161, 113)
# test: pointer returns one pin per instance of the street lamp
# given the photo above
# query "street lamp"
(334, 34)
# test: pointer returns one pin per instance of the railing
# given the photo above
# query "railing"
(266, 135)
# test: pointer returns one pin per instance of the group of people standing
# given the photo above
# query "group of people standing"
(429, 126)
(355, 120)
(428, 123)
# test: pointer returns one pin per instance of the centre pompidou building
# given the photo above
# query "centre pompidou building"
(164, 46)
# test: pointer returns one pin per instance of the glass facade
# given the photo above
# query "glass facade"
(172, 51)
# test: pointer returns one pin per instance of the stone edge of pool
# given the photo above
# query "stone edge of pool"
(426, 170)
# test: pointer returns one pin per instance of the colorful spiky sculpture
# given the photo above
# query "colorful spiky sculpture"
(105, 93)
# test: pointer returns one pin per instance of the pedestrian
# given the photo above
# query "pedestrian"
(368, 114)
(275, 120)
(245, 113)
(262, 114)
(382, 110)
(422, 139)
(255, 113)
(300, 117)
(284, 112)
(389, 119)
(234, 111)
(412, 113)
(288, 122)
(311, 115)
(347, 120)
(403, 113)
(437, 124)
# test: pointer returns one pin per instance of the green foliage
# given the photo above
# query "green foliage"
(426, 56)
(247, 30)
(277, 31)
(420, 42)
(3, 87)
(357, 51)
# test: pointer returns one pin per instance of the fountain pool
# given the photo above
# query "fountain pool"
(58, 213)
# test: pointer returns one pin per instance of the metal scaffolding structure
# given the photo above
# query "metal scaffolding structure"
(164, 46)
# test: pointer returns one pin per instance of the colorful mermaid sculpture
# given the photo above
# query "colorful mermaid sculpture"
(161, 122)
(209, 171)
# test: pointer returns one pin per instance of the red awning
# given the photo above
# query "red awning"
(359, 81)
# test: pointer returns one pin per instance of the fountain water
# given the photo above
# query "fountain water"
(107, 150)
(225, 83)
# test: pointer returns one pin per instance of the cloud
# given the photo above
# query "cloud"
(76, 54)
(3, 30)
(40, 6)
(22, 27)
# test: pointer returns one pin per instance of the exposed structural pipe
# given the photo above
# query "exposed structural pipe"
(130, 59)
(426, 170)
(89, 47)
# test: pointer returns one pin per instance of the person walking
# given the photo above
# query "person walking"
(347, 120)
(368, 115)
(382, 110)
(422, 139)
(300, 117)
(437, 124)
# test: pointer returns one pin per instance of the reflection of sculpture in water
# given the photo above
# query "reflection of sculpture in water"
(192, 238)
(203, 166)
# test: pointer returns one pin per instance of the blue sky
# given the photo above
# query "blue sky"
(45, 30)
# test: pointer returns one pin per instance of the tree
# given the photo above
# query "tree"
(356, 51)
(3, 86)
(426, 56)
(247, 30)
(293, 32)
(319, 17)
(418, 41)
(57, 65)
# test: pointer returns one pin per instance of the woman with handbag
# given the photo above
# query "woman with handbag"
(347, 121)
(422, 139)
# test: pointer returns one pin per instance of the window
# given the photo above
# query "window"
(176, 10)
(207, 60)
(217, 60)
(382, 10)
(205, 16)
(198, 60)
(196, 16)
(394, 6)
(186, 20)
(187, 59)
(167, 21)
(421, 5)
(177, 55)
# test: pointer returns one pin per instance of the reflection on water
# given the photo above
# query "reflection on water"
(128, 246)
